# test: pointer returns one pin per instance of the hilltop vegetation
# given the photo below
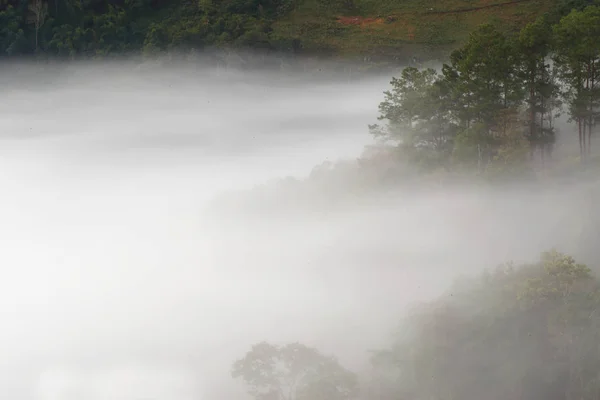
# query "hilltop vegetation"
(493, 106)
(526, 331)
(488, 115)
(402, 29)
(363, 28)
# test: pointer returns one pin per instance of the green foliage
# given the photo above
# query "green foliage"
(564, 7)
(530, 330)
(12, 35)
(485, 74)
(492, 108)
(294, 372)
(417, 115)
(73, 28)
(578, 62)
(404, 103)
(535, 45)
(462, 116)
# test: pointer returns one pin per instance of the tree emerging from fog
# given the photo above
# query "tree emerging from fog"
(529, 331)
(493, 106)
(294, 372)
(514, 331)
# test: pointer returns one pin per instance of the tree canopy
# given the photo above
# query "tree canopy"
(528, 330)
(99, 28)
(294, 372)
(91, 28)
(493, 106)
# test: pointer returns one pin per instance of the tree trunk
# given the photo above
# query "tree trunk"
(589, 142)
(583, 127)
(589, 86)
(581, 154)
(532, 108)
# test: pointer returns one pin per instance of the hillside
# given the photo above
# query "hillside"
(367, 29)
(395, 28)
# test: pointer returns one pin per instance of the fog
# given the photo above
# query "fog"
(116, 286)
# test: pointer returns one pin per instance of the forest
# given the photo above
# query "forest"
(514, 331)
(102, 28)
(493, 107)
(491, 114)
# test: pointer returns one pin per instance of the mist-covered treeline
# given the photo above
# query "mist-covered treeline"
(515, 331)
(526, 331)
(493, 107)
(495, 111)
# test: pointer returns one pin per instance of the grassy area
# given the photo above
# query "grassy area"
(378, 30)
(397, 28)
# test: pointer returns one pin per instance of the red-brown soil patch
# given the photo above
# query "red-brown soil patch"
(360, 21)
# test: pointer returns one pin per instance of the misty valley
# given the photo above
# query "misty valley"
(173, 229)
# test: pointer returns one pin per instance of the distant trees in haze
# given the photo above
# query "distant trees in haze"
(294, 372)
(528, 331)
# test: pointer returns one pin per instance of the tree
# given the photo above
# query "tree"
(564, 7)
(404, 103)
(12, 37)
(485, 84)
(418, 114)
(534, 45)
(577, 56)
(469, 115)
(528, 331)
(38, 10)
(294, 372)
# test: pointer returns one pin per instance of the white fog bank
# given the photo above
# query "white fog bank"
(109, 275)
(116, 287)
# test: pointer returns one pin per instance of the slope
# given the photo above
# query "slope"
(395, 28)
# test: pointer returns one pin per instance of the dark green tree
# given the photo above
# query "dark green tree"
(417, 111)
(38, 12)
(403, 104)
(487, 91)
(577, 57)
(534, 46)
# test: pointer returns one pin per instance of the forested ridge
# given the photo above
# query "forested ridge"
(392, 29)
(527, 331)
(99, 28)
